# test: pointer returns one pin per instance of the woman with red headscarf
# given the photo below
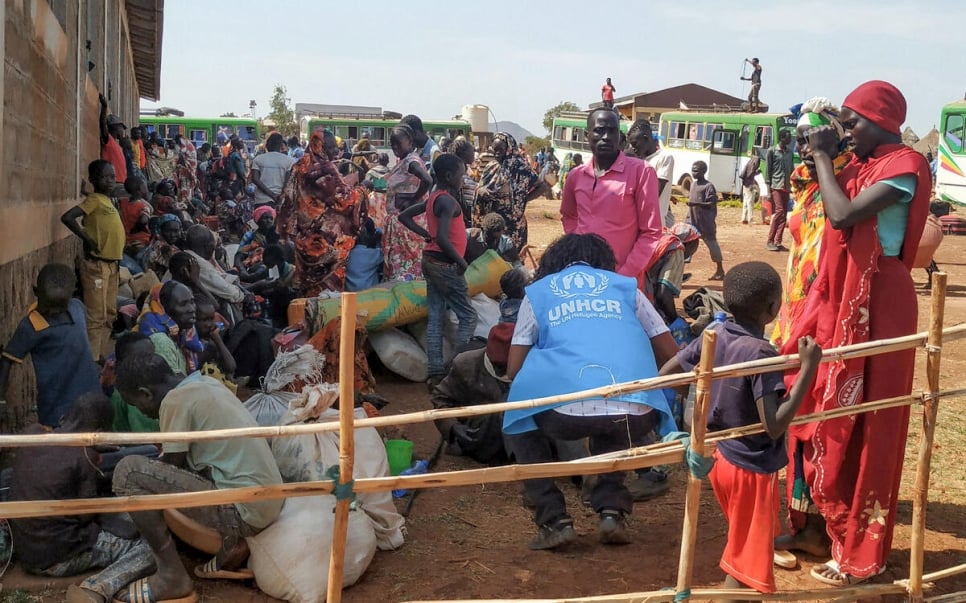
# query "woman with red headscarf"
(320, 213)
(849, 468)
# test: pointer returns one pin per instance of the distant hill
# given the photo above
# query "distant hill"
(513, 129)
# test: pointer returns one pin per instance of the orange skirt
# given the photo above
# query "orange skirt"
(750, 504)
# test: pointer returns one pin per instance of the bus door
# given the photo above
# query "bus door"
(951, 163)
(723, 161)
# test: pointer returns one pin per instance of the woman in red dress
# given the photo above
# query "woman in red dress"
(876, 209)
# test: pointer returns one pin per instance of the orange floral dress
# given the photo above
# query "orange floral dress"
(319, 212)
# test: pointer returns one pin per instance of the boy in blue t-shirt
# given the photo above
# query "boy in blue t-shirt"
(54, 333)
(745, 474)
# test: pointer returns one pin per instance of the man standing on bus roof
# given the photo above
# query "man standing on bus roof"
(646, 146)
(779, 163)
(614, 196)
(607, 94)
(755, 79)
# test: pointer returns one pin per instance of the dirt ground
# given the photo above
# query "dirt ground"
(471, 542)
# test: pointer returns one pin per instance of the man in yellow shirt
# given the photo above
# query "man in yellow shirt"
(102, 233)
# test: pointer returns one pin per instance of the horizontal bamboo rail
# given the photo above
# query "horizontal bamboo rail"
(782, 363)
(646, 456)
(845, 593)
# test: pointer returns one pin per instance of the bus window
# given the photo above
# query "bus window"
(664, 128)
(148, 129)
(676, 134)
(955, 132)
(246, 132)
(377, 136)
(198, 136)
(223, 133)
(354, 132)
(763, 136)
(558, 132)
(723, 142)
(172, 130)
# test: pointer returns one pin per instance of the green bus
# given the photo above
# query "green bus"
(201, 130)
(951, 162)
(377, 127)
(569, 134)
(724, 141)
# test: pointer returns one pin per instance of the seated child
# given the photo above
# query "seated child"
(127, 418)
(215, 353)
(135, 214)
(54, 334)
(491, 235)
(513, 284)
(745, 474)
(279, 289)
(68, 546)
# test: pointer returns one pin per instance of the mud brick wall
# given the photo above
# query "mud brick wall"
(48, 134)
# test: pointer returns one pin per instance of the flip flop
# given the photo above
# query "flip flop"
(841, 579)
(785, 560)
(140, 591)
(211, 571)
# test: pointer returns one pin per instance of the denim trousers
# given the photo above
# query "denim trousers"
(445, 289)
(124, 560)
(606, 433)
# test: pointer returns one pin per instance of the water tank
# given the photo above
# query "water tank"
(478, 116)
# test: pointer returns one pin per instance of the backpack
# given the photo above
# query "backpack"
(221, 169)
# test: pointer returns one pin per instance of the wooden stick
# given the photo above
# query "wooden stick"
(699, 425)
(946, 573)
(656, 454)
(920, 497)
(347, 340)
(853, 592)
(735, 370)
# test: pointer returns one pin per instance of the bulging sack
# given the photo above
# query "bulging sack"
(290, 556)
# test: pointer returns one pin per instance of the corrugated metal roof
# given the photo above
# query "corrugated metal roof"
(145, 19)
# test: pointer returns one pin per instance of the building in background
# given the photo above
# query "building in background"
(650, 105)
(58, 55)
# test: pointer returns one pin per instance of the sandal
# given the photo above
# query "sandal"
(837, 577)
(140, 591)
(211, 571)
(784, 559)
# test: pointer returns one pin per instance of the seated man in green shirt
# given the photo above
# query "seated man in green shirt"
(185, 404)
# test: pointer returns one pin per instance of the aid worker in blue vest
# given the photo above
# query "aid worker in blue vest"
(580, 326)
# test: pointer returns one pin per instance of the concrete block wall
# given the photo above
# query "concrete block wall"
(48, 134)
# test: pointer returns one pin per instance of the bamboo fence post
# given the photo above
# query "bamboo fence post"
(692, 501)
(929, 412)
(347, 340)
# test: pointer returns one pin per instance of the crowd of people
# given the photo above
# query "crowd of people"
(599, 308)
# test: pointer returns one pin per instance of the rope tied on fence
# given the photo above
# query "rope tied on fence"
(700, 466)
(341, 490)
(680, 596)
(933, 348)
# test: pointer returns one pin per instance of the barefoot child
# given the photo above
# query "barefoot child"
(745, 475)
(702, 213)
(443, 264)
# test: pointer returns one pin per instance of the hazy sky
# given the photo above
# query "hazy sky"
(521, 57)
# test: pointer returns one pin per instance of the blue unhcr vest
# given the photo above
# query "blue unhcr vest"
(589, 336)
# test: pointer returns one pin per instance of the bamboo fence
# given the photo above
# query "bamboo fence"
(647, 456)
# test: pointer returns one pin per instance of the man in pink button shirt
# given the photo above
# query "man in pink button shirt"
(614, 196)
